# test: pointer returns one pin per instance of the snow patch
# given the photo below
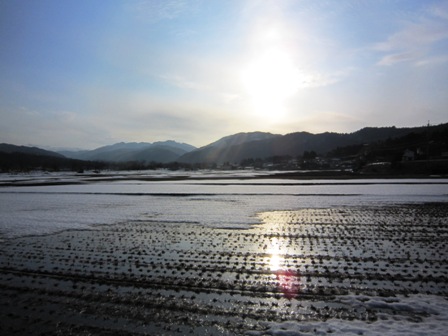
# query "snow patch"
(413, 315)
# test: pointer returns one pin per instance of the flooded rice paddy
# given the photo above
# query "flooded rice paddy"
(356, 268)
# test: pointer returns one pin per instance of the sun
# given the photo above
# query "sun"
(270, 80)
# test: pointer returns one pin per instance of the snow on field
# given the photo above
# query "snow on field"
(432, 309)
(39, 204)
(31, 209)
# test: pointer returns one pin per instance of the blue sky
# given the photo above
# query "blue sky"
(86, 73)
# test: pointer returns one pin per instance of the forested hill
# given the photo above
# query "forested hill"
(24, 158)
(382, 143)
(295, 144)
(8, 148)
(161, 151)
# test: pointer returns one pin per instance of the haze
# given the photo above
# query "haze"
(91, 73)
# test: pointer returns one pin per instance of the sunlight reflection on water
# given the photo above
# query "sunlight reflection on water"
(288, 280)
(275, 262)
(276, 259)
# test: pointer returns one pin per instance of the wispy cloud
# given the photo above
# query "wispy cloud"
(156, 10)
(437, 60)
(314, 80)
(416, 41)
(398, 58)
(69, 128)
(440, 10)
(182, 82)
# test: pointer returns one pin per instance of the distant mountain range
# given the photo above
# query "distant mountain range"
(162, 151)
(232, 149)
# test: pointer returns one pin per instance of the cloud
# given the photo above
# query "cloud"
(155, 10)
(432, 61)
(416, 41)
(415, 35)
(26, 126)
(397, 58)
(314, 80)
(323, 120)
(202, 78)
(182, 82)
(145, 116)
(440, 10)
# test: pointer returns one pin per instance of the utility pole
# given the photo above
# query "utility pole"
(427, 149)
(427, 142)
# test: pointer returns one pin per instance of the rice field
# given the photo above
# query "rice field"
(298, 270)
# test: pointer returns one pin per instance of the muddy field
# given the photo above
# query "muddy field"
(311, 265)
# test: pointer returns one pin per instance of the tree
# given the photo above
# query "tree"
(311, 155)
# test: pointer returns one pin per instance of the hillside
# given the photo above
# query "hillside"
(223, 149)
(256, 149)
(23, 158)
(240, 138)
(8, 148)
(294, 144)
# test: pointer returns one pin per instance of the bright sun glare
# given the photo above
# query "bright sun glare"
(270, 79)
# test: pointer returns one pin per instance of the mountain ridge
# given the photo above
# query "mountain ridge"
(233, 148)
(296, 143)
(159, 151)
(241, 137)
(9, 149)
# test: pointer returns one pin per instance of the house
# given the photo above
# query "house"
(408, 155)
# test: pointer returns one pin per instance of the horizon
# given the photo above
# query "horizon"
(86, 74)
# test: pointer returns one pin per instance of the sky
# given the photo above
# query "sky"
(88, 73)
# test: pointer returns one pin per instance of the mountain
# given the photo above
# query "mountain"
(8, 148)
(161, 151)
(224, 149)
(239, 138)
(160, 154)
(257, 145)
(24, 158)
(237, 147)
